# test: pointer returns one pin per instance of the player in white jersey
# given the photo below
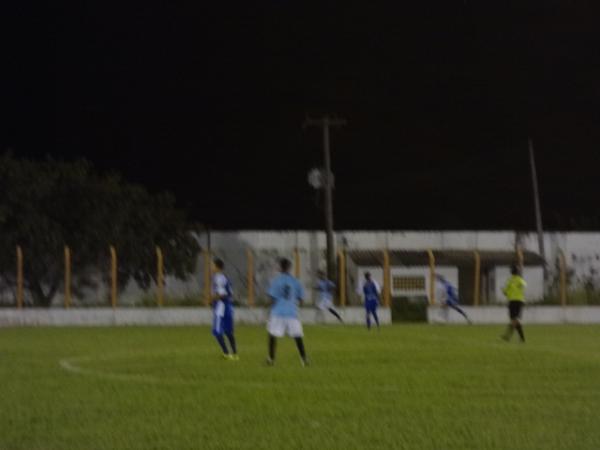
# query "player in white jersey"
(448, 297)
(325, 288)
(222, 304)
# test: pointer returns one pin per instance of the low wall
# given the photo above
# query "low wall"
(531, 314)
(165, 316)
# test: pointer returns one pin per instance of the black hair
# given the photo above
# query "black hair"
(368, 275)
(219, 263)
(514, 269)
(285, 264)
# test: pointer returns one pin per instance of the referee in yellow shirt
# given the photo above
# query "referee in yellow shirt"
(514, 290)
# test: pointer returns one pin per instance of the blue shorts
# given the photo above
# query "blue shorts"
(222, 318)
(371, 305)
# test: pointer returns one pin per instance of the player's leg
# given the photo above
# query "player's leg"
(320, 316)
(294, 330)
(272, 346)
(218, 328)
(511, 326)
(368, 314)
(517, 323)
(221, 341)
(335, 313)
(374, 312)
(275, 328)
(300, 347)
(228, 329)
(459, 310)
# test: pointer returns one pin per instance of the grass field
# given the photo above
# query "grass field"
(407, 387)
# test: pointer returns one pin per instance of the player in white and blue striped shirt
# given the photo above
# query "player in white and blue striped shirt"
(222, 304)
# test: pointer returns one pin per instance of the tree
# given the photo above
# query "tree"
(49, 204)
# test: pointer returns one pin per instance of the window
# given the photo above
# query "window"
(408, 283)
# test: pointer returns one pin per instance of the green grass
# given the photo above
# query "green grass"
(407, 387)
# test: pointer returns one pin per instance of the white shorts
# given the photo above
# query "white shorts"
(324, 305)
(280, 326)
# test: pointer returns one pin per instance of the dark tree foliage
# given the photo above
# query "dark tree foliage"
(47, 205)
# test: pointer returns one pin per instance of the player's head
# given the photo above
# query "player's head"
(219, 264)
(440, 277)
(514, 269)
(368, 276)
(285, 264)
(320, 274)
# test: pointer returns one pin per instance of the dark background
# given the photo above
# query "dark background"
(207, 100)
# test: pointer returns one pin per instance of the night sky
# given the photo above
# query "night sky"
(207, 100)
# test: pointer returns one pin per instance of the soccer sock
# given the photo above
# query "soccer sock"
(300, 345)
(376, 318)
(272, 342)
(520, 331)
(460, 311)
(334, 312)
(368, 321)
(232, 343)
(221, 342)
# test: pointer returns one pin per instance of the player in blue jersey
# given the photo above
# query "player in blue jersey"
(325, 289)
(448, 296)
(222, 304)
(285, 292)
(371, 291)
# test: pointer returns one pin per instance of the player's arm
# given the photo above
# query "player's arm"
(359, 289)
(299, 293)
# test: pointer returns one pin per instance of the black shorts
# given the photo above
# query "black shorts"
(514, 309)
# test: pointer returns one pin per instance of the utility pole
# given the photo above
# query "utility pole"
(325, 122)
(538, 212)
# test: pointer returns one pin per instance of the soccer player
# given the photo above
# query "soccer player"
(325, 288)
(449, 296)
(371, 291)
(286, 292)
(222, 304)
(514, 290)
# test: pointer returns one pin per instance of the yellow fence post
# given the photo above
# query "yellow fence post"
(19, 277)
(67, 277)
(386, 278)
(431, 277)
(563, 278)
(296, 263)
(477, 280)
(113, 276)
(160, 274)
(207, 273)
(342, 281)
(250, 276)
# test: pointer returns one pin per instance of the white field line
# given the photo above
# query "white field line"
(70, 365)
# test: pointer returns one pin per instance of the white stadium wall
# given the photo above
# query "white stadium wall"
(582, 252)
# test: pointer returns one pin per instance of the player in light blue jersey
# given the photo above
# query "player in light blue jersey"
(325, 288)
(285, 292)
(371, 292)
(222, 304)
(448, 296)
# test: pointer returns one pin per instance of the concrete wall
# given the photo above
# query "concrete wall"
(531, 315)
(582, 251)
(165, 316)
